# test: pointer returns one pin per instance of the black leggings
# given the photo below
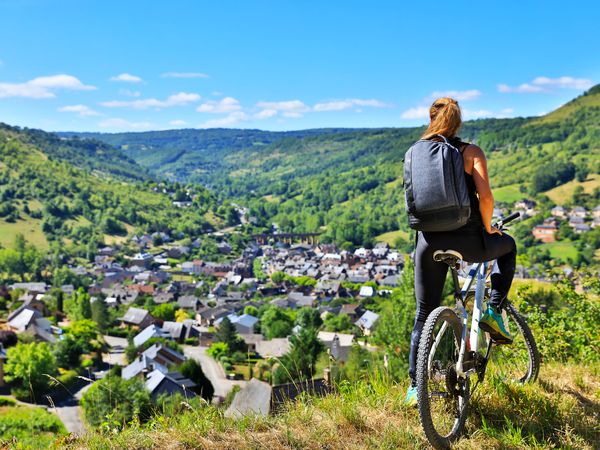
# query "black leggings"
(430, 275)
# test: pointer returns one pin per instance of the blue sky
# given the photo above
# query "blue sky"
(281, 65)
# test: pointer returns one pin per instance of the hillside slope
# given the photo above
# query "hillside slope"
(51, 200)
(560, 411)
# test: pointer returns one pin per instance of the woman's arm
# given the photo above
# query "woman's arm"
(482, 184)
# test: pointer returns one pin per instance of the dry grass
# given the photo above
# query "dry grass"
(560, 411)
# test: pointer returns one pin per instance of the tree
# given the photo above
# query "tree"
(100, 314)
(181, 315)
(68, 352)
(251, 310)
(28, 366)
(300, 362)
(275, 323)
(192, 370)
(8, 338)
(165, 311)
(116, 400)
(309, 318)
(338, 323)
(217, 349)
(228, 334)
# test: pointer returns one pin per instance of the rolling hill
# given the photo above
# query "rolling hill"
(75, 193)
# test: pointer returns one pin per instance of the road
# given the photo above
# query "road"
(70, 413)
(212, 369)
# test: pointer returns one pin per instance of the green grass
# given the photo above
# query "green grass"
(559, 411)
(560, 249)
(564, 192)
(391, 236)
(28, 227)
(31, 427)
(508, 194)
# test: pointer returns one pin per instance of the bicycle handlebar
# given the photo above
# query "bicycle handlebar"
(504, 220)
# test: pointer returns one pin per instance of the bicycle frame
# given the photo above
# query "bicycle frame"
(478, 274)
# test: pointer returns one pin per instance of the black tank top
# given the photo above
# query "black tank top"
(474, 222)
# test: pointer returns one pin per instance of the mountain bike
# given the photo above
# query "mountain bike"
(447, 357)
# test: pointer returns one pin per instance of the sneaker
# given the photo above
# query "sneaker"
(492, 322)
(411, 396)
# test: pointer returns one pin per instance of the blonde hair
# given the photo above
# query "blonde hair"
(445, 118)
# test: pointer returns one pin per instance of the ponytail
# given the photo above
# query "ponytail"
(445, 118)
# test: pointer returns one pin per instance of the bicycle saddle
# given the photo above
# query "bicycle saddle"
(450, 257)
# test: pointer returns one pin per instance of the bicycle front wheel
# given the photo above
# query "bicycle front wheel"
(442, 396)
(518, 362)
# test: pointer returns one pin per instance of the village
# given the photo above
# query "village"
(163, 306)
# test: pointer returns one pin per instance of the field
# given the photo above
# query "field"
(560, 249)
(391, 236)
(562, 193)
(30, 228)
(32, 427)
(508, 194)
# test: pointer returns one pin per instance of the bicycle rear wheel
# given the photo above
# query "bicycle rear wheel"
(518, 362)
(442, 396)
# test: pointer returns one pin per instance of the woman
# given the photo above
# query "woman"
(477, 241)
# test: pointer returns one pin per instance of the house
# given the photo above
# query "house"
(180, 331)
(33, 288)
(558, 211)
(151, 331)
(545, 232)
(141, 366)
(189, 302)
(224, 247)
(299, 300)
(276, 347)
(30, 321)
(596, 212)
(337, 344)
(352, 310)
(251, 340)
(381, 249)
(367, 322)
(582, 228)
(208, 316)
(244, 324)
(170, 383)
(366, 291)
(579, 211)
(164, 355)
(137, 317)
(142, 259)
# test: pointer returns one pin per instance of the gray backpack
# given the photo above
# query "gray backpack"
(435, 189)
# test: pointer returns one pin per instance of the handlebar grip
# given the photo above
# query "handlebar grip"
(511, 217)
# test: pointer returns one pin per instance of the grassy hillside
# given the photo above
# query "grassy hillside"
(54, 202)
(560, 411)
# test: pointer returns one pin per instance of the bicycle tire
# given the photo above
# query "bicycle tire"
(427, 340)
(531, 373)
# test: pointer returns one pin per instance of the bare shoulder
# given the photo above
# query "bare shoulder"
(473, 151)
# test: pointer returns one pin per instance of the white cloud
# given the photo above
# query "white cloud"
(470, 94)
(178, 123)
(43, 87)
(545, 84)
(128, 93)
(507, 111)
(225, 105)
(82, 110)
(231, 119)
(339, 105)
(266, 113)
(476, 114)
(419, 112)
(184, 75)
(126, 78)
(296, 106)
(179, 99)
(122, 124)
